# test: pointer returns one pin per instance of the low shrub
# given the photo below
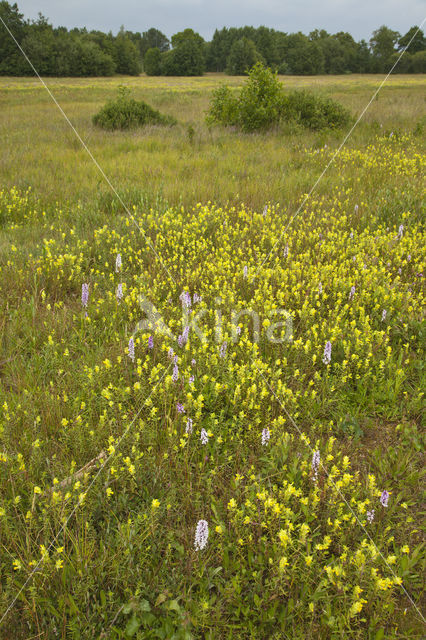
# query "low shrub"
(262, 104)
(313, 111)
(223, 107)
(127, 113)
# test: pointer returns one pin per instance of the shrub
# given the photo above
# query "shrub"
(127, 113)
(257, 107)
(261, 99)
(263, 104)
(313, 111)
(223, 107)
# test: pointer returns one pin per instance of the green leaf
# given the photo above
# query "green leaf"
(161, 598)
(173, 605)
(132, 626)
(144, 605)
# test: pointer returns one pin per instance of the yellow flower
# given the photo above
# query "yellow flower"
(283, 564)
(405, 549)
(356, 608)
(155, 504)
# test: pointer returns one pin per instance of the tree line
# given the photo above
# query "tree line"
(58, 51)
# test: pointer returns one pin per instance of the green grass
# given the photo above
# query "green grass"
(212, 165)
(290, 554)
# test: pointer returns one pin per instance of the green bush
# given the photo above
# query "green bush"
(127, 113)
(313, 111)
(263, 104)
(261, 99)
(223, 107)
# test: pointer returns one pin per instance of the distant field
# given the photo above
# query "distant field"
(258, 480)
(40, 150)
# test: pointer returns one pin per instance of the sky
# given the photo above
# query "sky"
(358, 17)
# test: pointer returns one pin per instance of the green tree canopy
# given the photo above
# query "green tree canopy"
(242, 57)
(125, 55)
(11, 60)
(418, 43)
(152, 62)
(383, 45)
(186, 59)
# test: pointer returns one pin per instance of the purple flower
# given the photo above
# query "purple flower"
(193, 362)
(180, 408)
(201, 535)
(315, 463)
(170, 353)
(132, 349)
(183, 339)
(327, 353)
(189, 425)
(356, 208)
(204, 436)
(196, 298)
(150, 342)
(370, 516)
(320, 288)
(266, 435)
(286, 251)
(265, 210)
(118, 263)
(175, 374)
(352, 292)
(84, 294)
(223, 348)
(119, 293)
(400, 231)
(384, 498)
(245, 271)
(191, 379)
(384, 314)
(185, 299)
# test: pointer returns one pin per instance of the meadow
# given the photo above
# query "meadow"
(159, 485)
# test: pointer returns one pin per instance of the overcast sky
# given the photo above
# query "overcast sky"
(359, 17)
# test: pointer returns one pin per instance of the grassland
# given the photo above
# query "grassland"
(105, 468)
